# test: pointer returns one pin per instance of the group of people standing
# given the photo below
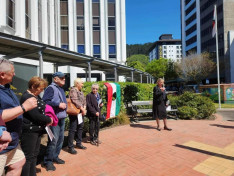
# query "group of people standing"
(27, 119)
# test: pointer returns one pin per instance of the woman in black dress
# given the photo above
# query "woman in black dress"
(159, 104)
(34, 123)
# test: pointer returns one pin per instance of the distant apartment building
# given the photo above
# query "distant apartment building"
(92, 27)
(196, 24)
(166, 47)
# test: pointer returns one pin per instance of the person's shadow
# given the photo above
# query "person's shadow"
(222, 126)
(142, 126)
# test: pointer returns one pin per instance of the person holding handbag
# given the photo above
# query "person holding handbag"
(78, 99)
(34, 123)
(159, 104)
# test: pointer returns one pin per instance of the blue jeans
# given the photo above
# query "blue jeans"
(54, 147)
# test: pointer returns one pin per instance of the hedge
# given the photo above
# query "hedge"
(190, 105)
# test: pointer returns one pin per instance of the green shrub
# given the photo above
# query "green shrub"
(203, 106)
(186, 112)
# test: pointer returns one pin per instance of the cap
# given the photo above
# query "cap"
(58, 74)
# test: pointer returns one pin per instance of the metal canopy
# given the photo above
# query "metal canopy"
(12, 47)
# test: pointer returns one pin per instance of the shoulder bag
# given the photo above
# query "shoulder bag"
(71, 108)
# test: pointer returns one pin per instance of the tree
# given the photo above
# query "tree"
(138, 49)
(157, 68)
(143, 59)
(137, 65)
(195, 67)
(171, 72)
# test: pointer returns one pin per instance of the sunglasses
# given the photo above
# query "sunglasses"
(95, 88)
(62, 78)
(3, 60)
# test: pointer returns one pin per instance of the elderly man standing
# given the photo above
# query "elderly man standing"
(55, 96)
(5, 136)
(11, 113)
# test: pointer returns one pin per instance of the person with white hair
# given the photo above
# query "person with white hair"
(94, 105)
(78, 99)
(11, 114)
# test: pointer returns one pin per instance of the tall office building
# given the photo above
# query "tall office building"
(91, 27)
(196, 25)
(166, 47)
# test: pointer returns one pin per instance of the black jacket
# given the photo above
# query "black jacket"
(34, 120)
(159, 96)
(92, 105)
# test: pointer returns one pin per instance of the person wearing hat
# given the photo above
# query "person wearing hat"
(55, 97)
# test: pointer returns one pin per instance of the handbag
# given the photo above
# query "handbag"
(71, 108)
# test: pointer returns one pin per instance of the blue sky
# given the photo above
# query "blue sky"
(146, 20)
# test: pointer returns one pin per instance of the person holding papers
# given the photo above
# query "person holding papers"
(94, 104)
(159, 104)
(77, 122)
(55, 97)
(34, 122)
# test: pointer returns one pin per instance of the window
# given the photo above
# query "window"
(111, 1)
(165, 52)
(97, 1)
(96, 51)
(111, 23)
(81, 49)
(165, 47)
(64, 24)
(39, 22)
(10, 13)
(80, 23)
(65, 47)
(112, 51)
(96, 23)
(79, 0)
(165, 56)
(27, 19)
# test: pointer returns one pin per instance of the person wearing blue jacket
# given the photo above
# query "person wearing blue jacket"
(55, 97)
(11, 113)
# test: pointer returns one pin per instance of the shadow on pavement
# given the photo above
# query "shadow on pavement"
(222, 126)
(205, 152)
(142, 126)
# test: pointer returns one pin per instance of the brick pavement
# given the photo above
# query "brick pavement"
(193, 148)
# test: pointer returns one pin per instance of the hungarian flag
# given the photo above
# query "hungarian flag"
(213, 22)
(113, 99)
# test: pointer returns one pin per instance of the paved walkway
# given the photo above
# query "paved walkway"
(193, 148)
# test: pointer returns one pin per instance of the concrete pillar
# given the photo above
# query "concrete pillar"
(132, 75)
(141, 78)
(116, 74)
(40, 64)
(89, 71)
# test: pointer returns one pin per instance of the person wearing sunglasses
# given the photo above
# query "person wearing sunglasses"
(55, 97)
(11, 114)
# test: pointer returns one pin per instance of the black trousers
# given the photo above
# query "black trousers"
(30, 144)
(94, 126)
(74, 128)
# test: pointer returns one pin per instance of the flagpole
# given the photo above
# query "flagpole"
(217, 56)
